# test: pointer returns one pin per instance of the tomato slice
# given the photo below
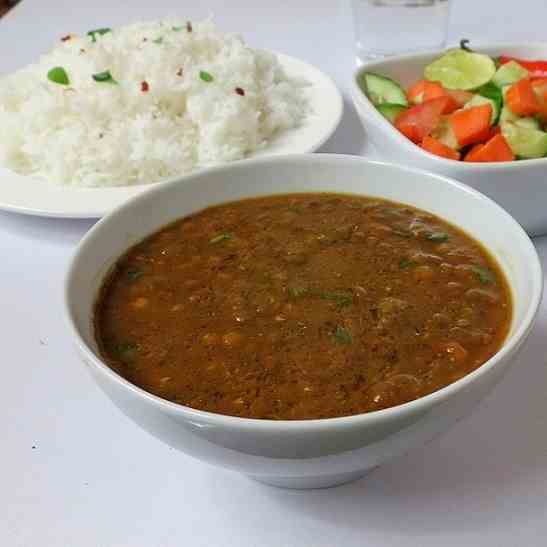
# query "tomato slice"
(418, 121)
(536, 69)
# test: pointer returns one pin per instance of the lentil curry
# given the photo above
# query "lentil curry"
(302, 306)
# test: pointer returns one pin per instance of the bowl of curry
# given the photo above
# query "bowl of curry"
(302, 319)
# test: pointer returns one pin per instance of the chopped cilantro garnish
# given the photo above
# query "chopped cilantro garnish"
(405, 263)
(104, 77)
(437, 237)
(484, 274)
(100, 31)
(342, 335)
(134, 274)
(205, 76)
(220, 238)
(58, 75)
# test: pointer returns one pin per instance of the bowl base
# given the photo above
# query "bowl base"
(308, 483)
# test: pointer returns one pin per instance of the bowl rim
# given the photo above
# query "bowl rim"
(199, 417)
(361, 99)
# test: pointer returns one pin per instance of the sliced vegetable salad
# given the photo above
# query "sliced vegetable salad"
(469, 106)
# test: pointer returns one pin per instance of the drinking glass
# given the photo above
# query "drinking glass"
(392, 27)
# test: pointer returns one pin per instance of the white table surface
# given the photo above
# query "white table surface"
(75, 472)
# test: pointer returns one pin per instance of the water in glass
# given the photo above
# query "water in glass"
(391, 27)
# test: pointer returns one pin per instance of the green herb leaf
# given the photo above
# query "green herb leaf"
(437, 237)
(100, 31)
(158, 40)
(341, 299)
(485, 275)
(205, 76)
(58, 75)
(127, 350)
(402, 233)
(220, 238)
(342, 335)
(134, 274)
(405, 263)
(104, 77)
(297, 292)
(176, 29)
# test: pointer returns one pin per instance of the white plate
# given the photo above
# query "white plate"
(28, 195)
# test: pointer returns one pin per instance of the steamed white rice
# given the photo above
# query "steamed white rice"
(91, 133)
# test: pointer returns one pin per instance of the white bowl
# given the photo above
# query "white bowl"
(306, 453)
(520, 187)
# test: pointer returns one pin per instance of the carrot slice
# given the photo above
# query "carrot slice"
(492, 132)
(471, 125)
(418, 121)
(470, 156)
(439, 149)
(540, 90)
(496, 149)
(521, 98)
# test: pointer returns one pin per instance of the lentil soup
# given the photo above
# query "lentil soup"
(302, 306)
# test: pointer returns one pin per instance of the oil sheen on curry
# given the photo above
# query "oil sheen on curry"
(302, 306)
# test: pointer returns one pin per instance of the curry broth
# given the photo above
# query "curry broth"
(302, 306)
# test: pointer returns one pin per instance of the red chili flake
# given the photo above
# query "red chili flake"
(66, 38)
(144, 86)
(179, 72)
(240, 91)
(189, 26)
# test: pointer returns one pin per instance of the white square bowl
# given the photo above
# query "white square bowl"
(520, 187)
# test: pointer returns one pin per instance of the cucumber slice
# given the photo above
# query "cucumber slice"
(507, 115)
(460, 69)
(530, 123)
(525, 142)
(380, 89)
(509, 73)
(479, 100)
(390, 111)
(444, 133)
(492, 92)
